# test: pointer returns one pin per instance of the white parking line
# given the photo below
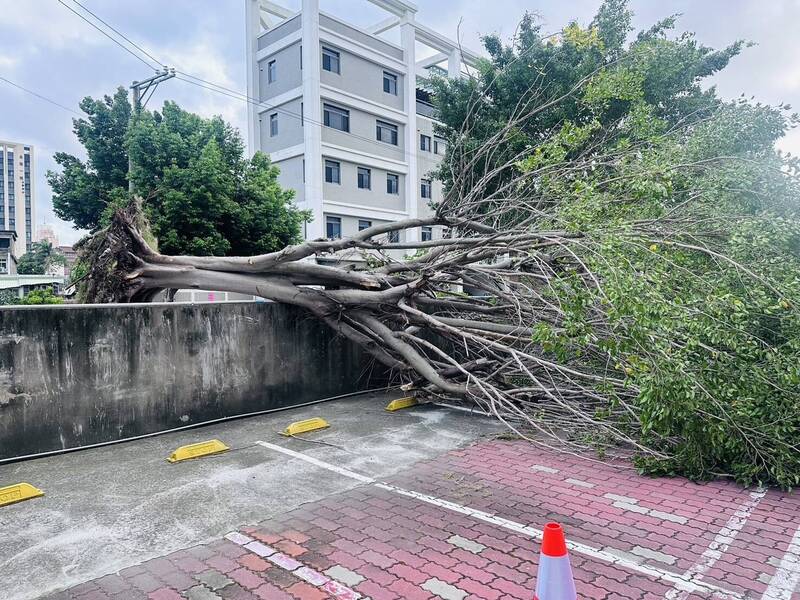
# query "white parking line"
(319, 463)
(680, 582)
(787, 578)
(719, 545)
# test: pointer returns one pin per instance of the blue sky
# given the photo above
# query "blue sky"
(47, 49)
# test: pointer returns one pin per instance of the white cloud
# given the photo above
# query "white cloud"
(791, 142)
(54, 27)
(8, 63)
(204, 58)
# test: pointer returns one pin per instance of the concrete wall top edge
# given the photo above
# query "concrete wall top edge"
(120, 305)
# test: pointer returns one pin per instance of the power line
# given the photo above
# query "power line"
(118, 32)
(117, 42)
(16, 85)
(215, 87)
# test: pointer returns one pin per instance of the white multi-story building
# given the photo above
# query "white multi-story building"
(339, 111)
(17, 197)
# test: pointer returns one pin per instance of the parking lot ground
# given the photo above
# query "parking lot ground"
(425, 503)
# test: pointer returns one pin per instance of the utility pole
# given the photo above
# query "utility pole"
(140, 95)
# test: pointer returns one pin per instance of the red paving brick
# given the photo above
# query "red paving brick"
(389, 546)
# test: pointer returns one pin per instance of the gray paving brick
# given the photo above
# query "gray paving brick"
(665, 516)
(346, 576)
(654, 555)
(466, 544)
(622, 554)
(444, 590)
(201, 592)
(213, 579)
(631, 507)
(543, 469)
(579, 483)
(618, 498)
(145, 582)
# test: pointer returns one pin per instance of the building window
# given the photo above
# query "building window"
(386, 132)
(364, 179)
(330, 60)
(438, 147)
(333, 227)
(394, 237)
(364, 224)
(390, 83)
(273, 125)
(427, 234)
(272, 72)
(392, 183)
(425, 188)
(302, 117)
(335, 117)
(425, 143)
(333, 173)
(3, 265)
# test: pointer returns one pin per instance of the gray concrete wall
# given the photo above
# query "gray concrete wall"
(362, 136)
(290, 126)
(363, 78)
(291, 176)
(349, 192)
(427, 163)
(77, 375)
(289, 75)
(362, 37)
(279, 32)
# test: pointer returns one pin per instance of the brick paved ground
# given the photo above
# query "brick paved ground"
(459, 527)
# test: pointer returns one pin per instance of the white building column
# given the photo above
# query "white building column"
(454, 64)
(252, 29)
(33, 195)
(312, 130)
(4, 183)
(408, 38)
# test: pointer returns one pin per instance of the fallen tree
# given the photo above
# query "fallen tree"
(625, 286)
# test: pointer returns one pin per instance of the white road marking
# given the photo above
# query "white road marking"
(319, 463)
(287, 563)
(238, 538)
(787, 578)
(719, 545)
(680, 582)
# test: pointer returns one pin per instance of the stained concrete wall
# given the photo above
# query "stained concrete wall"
(77, 375)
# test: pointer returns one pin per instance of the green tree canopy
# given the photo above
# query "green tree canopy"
(688, 220)
(41, 257)
(656, 73)
(42, 296)
(200, 193)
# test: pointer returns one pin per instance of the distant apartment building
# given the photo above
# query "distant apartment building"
(17, 197)
(345, 114)
(46, 233)
(71, 257)
(8, 260)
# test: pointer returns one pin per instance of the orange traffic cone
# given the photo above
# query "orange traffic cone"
(554, 580)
